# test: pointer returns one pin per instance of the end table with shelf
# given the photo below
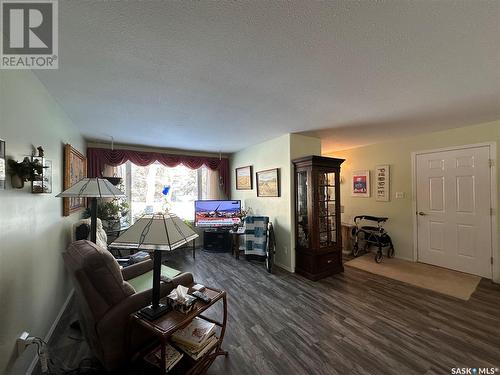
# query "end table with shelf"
(163, 328)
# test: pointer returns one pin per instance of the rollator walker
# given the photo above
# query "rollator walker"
(368, 235)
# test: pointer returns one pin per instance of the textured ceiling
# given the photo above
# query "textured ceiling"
(217, 75)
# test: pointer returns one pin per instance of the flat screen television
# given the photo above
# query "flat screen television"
(213, 214)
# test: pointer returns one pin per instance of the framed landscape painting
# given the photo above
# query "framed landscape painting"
(268, 183)
(360, 184)
(75, 168)
(244, 178)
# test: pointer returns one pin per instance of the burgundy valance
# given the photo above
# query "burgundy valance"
(99, 157)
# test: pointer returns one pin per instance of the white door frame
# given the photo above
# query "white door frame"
(495, 251)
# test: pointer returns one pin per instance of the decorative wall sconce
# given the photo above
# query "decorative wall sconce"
(42, 177)
(36, 169)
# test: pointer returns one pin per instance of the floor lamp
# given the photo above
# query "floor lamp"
(92, 188)
(155, 233)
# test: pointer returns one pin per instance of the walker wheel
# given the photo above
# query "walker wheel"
(378, 257)
(390, 252)
(355, 250)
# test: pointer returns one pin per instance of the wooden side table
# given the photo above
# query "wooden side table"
(236, 234)
(347, 238)
(166, 325)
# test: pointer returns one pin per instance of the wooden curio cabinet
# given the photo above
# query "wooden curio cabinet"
(318, 241)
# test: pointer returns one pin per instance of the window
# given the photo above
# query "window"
(144, 187)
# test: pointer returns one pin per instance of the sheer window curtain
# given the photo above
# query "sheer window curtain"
(209, 181)
(213, 188)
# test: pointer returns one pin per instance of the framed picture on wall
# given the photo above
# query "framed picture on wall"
(360, 184)
(268, 183)
(75, 168)
(382, 183)
(244, 178)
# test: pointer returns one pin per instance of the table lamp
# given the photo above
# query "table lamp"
(92, 188)
(155, 233)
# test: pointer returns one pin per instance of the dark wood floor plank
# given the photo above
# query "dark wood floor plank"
(351, 323)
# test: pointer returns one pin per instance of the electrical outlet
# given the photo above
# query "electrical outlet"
(341, 209)
(400, 195)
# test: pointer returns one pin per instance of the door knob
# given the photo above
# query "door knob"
(421, 213)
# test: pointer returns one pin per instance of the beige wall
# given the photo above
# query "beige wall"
(398, 155)
(275, 153)
(33, 232)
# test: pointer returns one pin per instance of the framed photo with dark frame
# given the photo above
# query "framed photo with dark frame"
(244, 178)
(75, 168)
(268, 183)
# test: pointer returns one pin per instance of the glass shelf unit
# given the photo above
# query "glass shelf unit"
(317, 216)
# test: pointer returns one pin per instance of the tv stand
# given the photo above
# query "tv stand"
(217, 240)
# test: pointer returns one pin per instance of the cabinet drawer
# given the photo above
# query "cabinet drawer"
(327, 261)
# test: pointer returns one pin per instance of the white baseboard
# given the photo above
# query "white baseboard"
(51, 330)
(286, 268)
(405, 258)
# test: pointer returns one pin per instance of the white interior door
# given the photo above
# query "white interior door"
(453, 209)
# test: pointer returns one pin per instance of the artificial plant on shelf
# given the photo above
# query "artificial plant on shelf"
(111, 212)
(24, 171)
(244, 212)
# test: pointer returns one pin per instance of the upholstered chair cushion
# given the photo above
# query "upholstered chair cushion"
(103, 284)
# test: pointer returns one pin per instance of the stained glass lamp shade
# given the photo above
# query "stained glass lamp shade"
(155, 233)
(92, 188)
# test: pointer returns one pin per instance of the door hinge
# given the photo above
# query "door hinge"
(491, 162)
(492, 212)
(491, 259)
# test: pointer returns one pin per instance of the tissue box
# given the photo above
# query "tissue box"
(183, 305)
(180, 300)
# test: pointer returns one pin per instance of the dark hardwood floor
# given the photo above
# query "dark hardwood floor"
(353, 323)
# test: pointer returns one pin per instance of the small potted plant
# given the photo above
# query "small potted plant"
(244, 212)
(111, 213)
(24, 171)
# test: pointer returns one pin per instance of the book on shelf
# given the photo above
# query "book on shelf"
(195, 334)
(172, 357)
(196, 354)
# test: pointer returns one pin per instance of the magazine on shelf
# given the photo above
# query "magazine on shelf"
(195, 333)
(172, 357)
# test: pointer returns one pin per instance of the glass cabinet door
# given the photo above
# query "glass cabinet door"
(302, 211)
(326, 202)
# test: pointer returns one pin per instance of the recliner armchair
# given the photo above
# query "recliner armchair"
(105, 299)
